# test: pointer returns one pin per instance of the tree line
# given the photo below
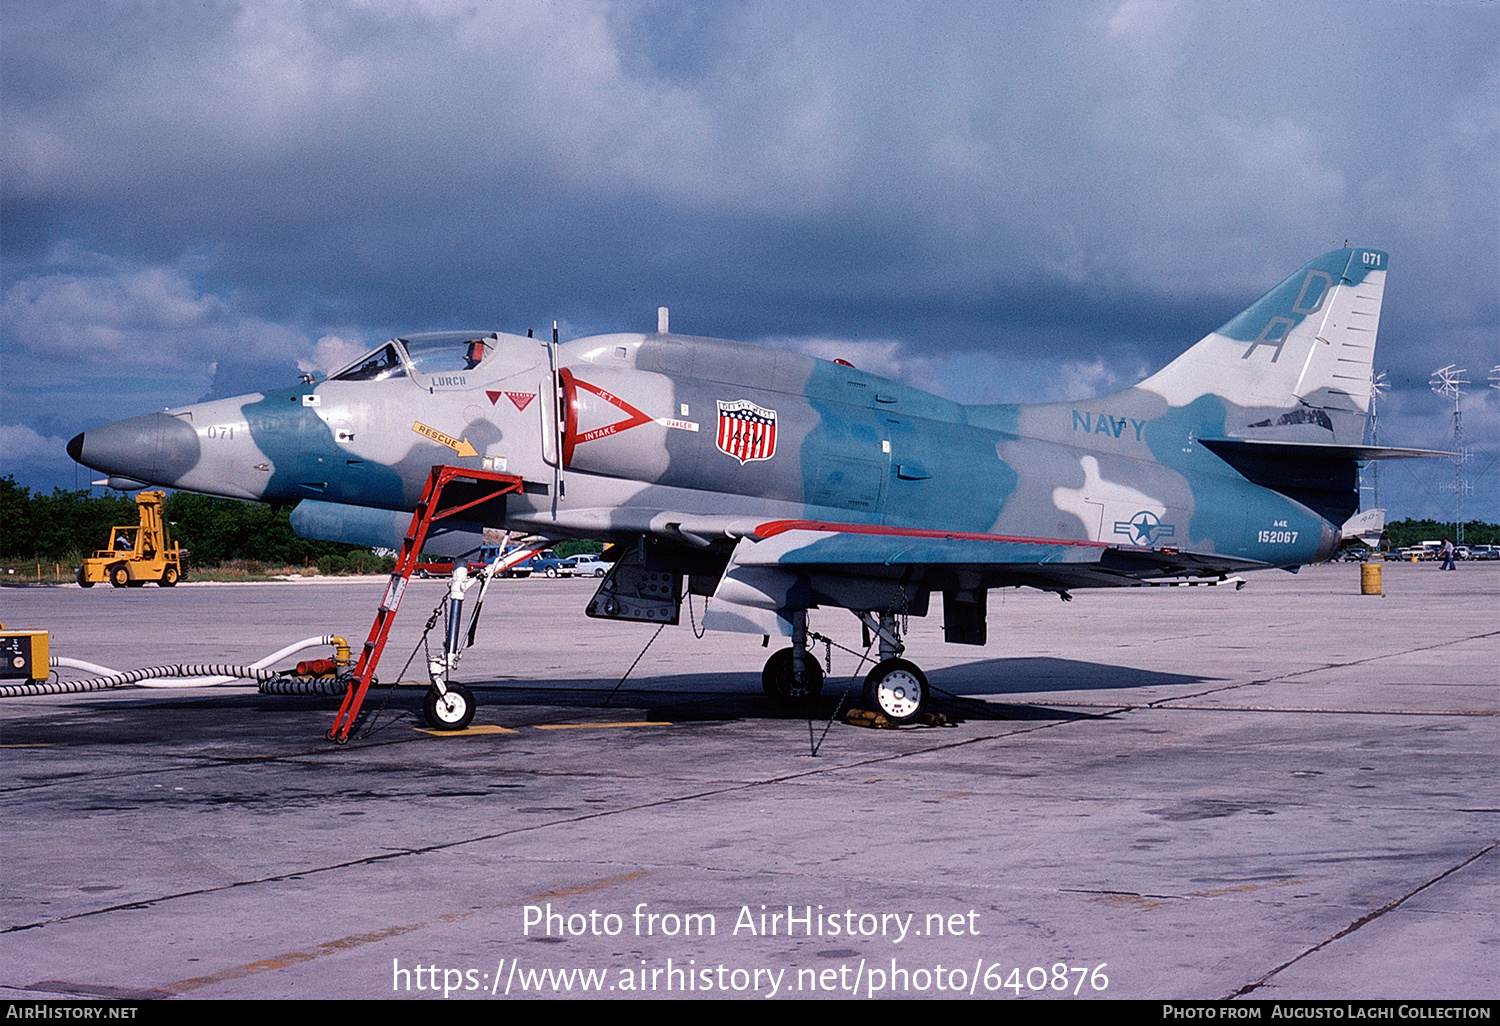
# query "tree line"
(1404, 533)
(65, 526)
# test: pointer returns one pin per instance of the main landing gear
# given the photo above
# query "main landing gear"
(791, 676)
(895, 688)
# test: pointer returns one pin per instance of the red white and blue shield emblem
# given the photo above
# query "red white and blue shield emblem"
(746, 431)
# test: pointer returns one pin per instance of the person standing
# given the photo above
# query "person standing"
(1447, 554)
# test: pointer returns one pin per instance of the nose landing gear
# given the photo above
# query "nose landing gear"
(450, 706)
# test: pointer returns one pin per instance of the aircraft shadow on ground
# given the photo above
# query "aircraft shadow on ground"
(704, 697)
(1038, 674)
(724, 696)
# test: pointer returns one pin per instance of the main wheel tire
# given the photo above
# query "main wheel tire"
(168, 577)
(451, 711)
(119, 577)
(83, 579)
(897, 689)
(779, 685)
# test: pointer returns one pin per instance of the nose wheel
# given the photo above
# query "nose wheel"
(451, 710)
(898, 689)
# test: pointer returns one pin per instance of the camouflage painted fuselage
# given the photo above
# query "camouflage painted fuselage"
(797, 481)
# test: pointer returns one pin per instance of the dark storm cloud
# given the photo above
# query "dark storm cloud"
(1063, 193)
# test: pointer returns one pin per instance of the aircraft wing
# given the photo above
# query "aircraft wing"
(937, 555)
(860, 566)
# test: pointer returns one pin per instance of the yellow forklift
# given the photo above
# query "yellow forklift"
(138, 552)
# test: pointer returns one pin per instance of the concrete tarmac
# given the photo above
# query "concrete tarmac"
(1287, 791)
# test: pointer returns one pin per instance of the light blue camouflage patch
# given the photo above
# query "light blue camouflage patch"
(1272, 317)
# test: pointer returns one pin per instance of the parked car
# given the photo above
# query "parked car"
(487, 556)
(587, 564)
(440, 567)
(1485, 552)
(547, 563)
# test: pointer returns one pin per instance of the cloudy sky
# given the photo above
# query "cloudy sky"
(998, 201)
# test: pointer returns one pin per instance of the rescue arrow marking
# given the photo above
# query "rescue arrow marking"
(458, 445)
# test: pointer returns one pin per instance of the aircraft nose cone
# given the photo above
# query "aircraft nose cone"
(156, 448)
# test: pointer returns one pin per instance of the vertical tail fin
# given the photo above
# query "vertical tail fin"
(1297, 362)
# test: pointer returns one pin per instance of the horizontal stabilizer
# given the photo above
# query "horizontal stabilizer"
(1367, 527)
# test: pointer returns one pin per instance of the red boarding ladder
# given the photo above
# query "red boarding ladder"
(471, 488)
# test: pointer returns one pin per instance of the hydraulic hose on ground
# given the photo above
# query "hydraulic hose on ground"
(305, 687)
(222, 672)
(182, 675)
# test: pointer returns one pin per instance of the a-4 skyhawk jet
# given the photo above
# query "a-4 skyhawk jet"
(775, 483)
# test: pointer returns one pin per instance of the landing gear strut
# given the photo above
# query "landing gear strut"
(450, 706)
(791, 676)
(895, 687)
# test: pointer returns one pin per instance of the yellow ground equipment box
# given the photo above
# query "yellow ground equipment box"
(23, 655)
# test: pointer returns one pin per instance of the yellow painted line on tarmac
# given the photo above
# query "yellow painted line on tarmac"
(485, 728)
(290, 958)
(1217, 892)
(287, 959)
(603, 883)
(590, 726)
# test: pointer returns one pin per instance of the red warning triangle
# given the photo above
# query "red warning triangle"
(520, 399)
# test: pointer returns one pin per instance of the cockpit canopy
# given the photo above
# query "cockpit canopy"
(436, 352)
